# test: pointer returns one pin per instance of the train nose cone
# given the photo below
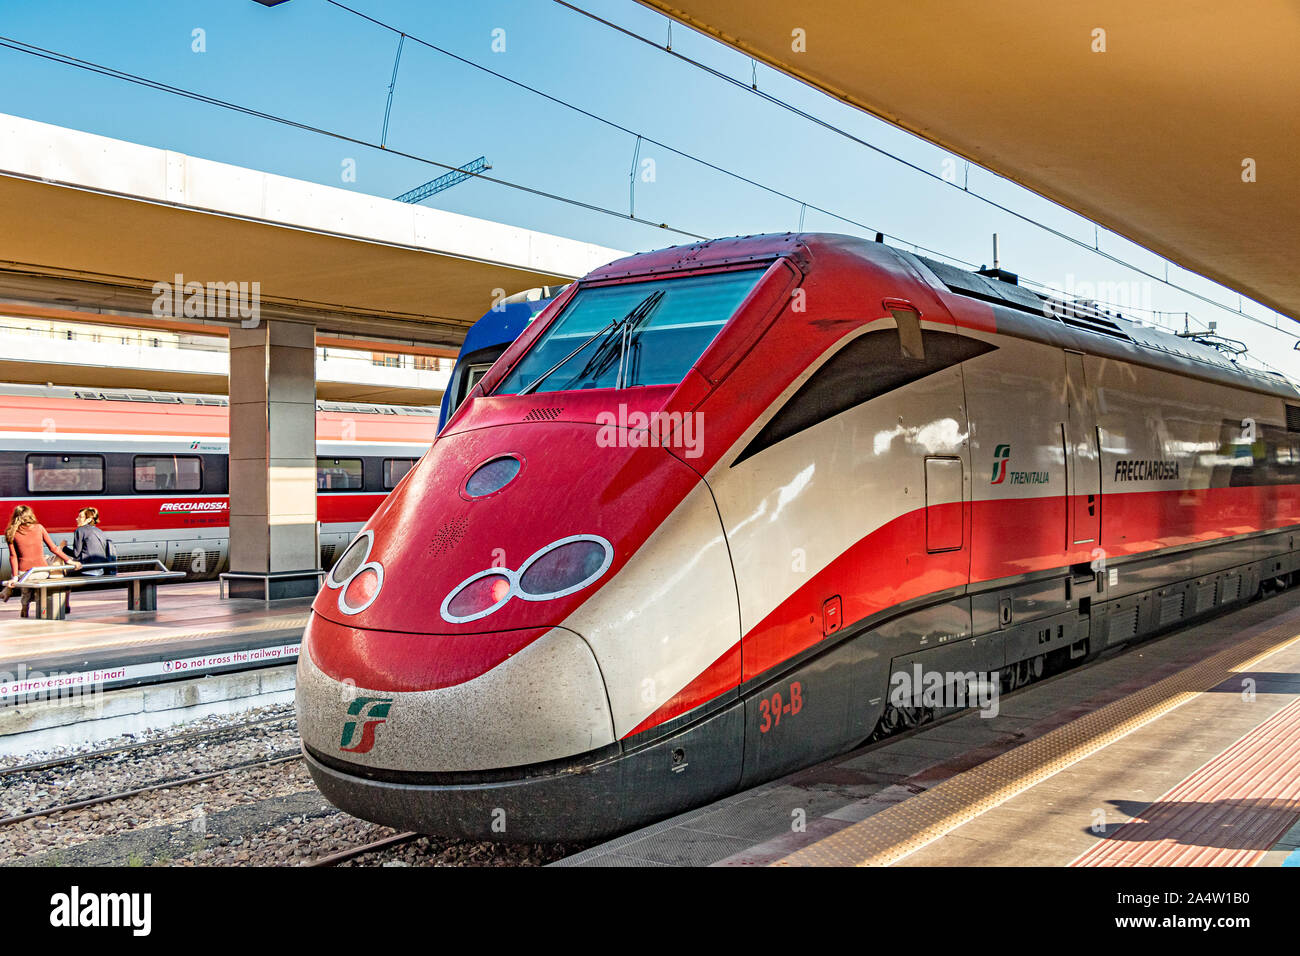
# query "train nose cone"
(370, 711)
(504, 528)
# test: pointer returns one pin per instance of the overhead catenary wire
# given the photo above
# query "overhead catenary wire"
(149, 83)
(804, 206)
(67, 60)
(840, 131)
(112, 72)
(639, 136)
(64, 59)
(157, 85)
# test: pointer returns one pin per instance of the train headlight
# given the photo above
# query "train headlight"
(362, 590)
(357, 578)
(491, 476)
(562, 567)
(478, 597)
(351, 560)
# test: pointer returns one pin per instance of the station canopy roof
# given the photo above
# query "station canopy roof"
(90, 224)
(1148, 138)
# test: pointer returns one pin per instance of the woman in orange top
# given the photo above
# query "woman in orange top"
(27, 539)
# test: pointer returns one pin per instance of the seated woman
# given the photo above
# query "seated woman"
(89, 544)
(27, 539)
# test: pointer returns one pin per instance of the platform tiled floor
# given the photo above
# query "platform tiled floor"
(99, 627)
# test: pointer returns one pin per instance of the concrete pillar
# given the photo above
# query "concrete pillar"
(274, 552)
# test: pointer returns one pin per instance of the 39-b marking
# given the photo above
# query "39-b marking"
(771, 709)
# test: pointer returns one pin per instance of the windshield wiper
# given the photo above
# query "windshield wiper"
(632, 338)
(603, 357)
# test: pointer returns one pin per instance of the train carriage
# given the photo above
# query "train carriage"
(155, 465)
(723, 509)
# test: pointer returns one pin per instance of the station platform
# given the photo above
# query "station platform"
(193, 633)
(1182, 750)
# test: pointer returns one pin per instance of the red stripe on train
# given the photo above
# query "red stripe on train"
(389, 661)
(1010, 537)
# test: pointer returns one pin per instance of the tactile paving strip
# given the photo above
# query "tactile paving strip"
(898, 831)
(1227, 813)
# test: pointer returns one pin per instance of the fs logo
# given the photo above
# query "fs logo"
(1001, 455)
(373, 711)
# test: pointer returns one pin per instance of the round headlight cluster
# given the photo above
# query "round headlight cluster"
(356, 578)
(562, 567)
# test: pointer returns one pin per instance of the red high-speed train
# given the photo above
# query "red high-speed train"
(155, 465)
(706, 518)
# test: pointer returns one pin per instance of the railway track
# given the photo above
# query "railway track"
(161, 743)
(343, 856)
(169, 784)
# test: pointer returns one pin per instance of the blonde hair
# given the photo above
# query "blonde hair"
(23, 515)
(91, 514)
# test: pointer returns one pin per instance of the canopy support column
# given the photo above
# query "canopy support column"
(274, 546)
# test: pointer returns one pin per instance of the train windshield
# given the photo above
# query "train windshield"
(640, 333)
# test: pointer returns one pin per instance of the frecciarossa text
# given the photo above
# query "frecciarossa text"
(1127, 469)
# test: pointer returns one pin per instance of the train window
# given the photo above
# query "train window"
(395, 470)
(63, 474)
(338, 474)
(473, 375)
(168, 473)
(468, 371)
(868, 367)
(671, 323)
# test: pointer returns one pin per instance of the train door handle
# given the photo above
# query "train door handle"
(1092, 506)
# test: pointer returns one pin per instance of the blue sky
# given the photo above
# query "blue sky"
(312, 62)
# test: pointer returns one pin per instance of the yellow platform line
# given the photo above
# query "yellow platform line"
(902, 829)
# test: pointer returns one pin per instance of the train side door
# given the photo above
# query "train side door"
(1083, 461)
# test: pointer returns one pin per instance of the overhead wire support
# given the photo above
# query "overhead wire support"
(392, 85)
(469, 171)
(631, 199)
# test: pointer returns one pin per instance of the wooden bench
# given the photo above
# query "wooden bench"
(54, 584)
